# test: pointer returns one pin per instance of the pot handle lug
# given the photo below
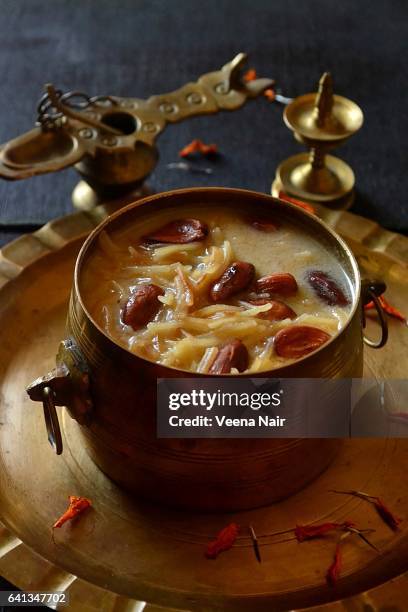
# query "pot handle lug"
(66, 385)
(371, 291)
(51, 420)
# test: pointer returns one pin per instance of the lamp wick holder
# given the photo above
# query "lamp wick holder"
(111, 141)
(322, 121)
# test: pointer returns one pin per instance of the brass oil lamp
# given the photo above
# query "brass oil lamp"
(111, 141)
(321, 121)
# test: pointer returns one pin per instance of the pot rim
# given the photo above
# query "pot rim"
(231, 191)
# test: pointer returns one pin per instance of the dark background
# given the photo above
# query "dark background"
(141, 47)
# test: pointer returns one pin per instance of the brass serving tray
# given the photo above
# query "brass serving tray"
(124, 552)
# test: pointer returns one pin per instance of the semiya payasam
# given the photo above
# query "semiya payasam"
(215, 291)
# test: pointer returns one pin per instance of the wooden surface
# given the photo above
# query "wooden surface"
(143, 552)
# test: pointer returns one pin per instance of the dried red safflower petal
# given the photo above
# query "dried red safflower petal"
(210, 149)
(348, 528)
(334, 569)
(77, 505)
(192, 147)
(385, 513)
(198, 146)
(308, 207)
(270, 94)
(250, 75)
(224, 540)
(308, 532)
(388, 308)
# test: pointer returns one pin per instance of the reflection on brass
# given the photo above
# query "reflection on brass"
(111, 140)
(321, 121)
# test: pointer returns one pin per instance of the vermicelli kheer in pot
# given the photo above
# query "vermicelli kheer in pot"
(216, 290)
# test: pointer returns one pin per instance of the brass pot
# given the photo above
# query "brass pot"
(112, 393)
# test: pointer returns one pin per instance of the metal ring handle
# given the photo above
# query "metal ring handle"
(384, 326)
(51, 420)
(66, 385)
